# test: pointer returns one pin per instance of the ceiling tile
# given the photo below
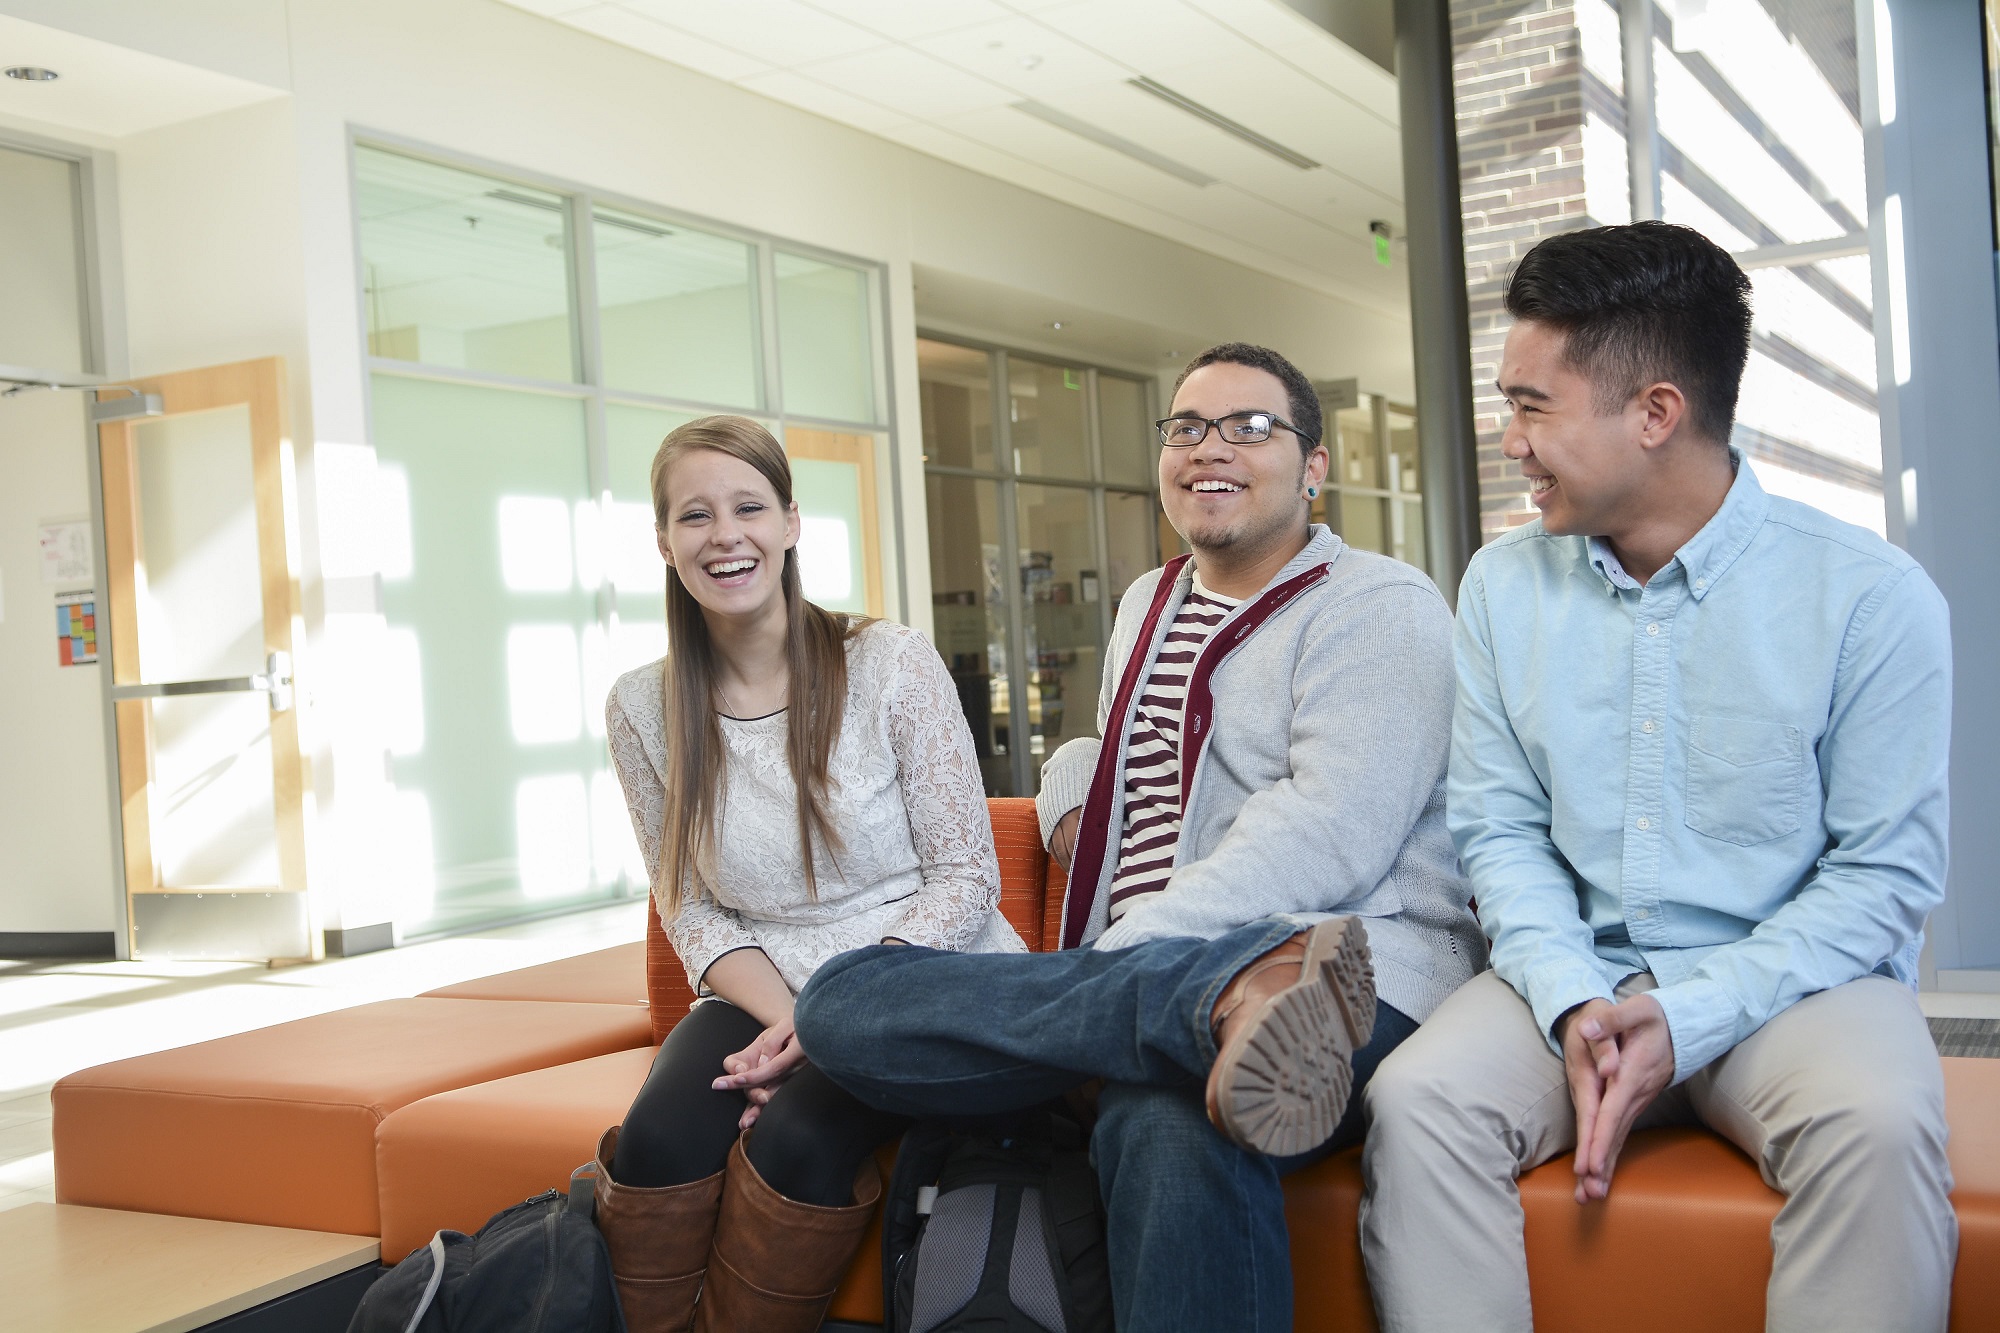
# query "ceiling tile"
(550, 8)
(909, 81)
(779, 32)
(1021, 54)
(1160, 35)
(656, 39)
(1297, 41)
(811, 95)
(905, 21)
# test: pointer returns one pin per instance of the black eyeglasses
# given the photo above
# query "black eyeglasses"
(1237, 428)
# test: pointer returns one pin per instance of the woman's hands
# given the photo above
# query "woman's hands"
(761, 1066)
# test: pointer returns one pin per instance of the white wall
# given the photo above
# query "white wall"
(56, 871)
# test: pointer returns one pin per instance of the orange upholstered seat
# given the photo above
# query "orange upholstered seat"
(609, 976)
(277, 1126)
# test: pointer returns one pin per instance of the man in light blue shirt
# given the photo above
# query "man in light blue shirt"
(1698, 785)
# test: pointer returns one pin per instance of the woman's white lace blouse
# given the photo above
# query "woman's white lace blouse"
(905, 796)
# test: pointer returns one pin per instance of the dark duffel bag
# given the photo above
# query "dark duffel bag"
(538, 1267)
(995, 1230)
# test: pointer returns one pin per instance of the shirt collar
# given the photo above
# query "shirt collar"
(1705, 556)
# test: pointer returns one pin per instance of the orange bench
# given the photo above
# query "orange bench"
(504, 1113)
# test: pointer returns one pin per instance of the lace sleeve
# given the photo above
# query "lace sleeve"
(703, 930)
(945, 802)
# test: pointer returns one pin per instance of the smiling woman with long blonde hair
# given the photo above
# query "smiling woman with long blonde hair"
(803, 783)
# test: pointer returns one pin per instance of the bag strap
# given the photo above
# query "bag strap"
(583, 1192)
(431, 1287)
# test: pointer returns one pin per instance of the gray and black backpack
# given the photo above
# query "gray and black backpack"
(995, 1230)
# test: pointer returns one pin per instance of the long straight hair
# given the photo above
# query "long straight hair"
(815, 654)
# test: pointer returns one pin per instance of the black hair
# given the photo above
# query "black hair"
(1301, 402)
(1642, 303)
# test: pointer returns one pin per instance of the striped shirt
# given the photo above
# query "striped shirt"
(1152, 830)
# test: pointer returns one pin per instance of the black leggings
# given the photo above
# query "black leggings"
(810, 1138)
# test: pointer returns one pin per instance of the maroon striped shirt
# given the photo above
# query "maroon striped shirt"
(1152, 829)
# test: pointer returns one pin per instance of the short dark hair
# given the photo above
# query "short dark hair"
(1301, 401)
(1642, 303)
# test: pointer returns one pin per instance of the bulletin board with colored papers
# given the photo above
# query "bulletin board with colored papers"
(76, 628)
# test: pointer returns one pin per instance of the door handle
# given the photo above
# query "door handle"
(275, 680)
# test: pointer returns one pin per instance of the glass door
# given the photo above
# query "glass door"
(202, 600)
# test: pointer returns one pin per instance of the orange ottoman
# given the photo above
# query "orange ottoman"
(455, 1159)
(277, 1126)
(608, 976)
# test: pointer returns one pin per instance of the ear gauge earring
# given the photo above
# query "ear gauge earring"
(1312, 492)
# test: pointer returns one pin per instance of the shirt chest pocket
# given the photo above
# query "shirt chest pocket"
(1744, 779)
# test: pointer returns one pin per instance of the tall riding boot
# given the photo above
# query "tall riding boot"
(776, 1263)
(659, 1241)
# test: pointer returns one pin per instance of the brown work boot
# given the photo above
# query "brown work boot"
(1286, 1029)
(776, 1263)
(659, 1241)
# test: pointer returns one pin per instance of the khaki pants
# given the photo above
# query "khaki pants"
(1839, 1100)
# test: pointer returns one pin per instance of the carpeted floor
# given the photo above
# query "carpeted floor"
(1967, 1036)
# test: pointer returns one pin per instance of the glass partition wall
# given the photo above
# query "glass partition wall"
(1042, 487)
(529, 348)
(1373, 495)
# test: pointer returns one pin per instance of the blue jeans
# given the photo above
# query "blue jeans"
(1195, 1225)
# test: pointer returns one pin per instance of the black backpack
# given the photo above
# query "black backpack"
(538, 1267)
(995, 1230)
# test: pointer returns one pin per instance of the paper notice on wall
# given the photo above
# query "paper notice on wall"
(66, 552)
(76, 628)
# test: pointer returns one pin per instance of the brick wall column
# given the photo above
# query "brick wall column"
(1517, 70)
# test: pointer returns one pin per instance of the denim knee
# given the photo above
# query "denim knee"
(828, 1011)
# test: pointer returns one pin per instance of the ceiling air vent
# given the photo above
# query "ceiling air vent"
(1223, 123)
(1062, 120)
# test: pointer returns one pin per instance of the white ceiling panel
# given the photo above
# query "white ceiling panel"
(1020, 54)
(779, 32)
(551, 8)
(945, 77)
(904, 21)
(657, 39)
(1167, 36)
(909, 81)
(809, 94)
(1291, 38)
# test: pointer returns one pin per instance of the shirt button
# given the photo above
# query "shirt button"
(1644, 823)
(1700, 584)
(1647, 726)
(1653, 628)
(1640, 914)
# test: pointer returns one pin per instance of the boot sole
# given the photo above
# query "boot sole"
(1281, 1084)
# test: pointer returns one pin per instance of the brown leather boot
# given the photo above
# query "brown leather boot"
(776, 1264)
(658, 1240)
(1286, 1029)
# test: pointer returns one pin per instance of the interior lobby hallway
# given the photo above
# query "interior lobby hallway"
(58, 1016)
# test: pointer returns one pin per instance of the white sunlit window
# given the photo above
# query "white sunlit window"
(402, 691)
(544, 684)
(1861, 508)
(635, 643)
(614, 847)
(534, 543)
(408, 855)
(395, 549)
(633, 558)
(552, 831)
(825, 568)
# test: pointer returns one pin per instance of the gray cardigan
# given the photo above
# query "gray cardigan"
(1320, 788)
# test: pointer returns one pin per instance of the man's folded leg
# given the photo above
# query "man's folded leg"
(926, 1032)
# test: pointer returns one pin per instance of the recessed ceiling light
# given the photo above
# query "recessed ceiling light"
(32, 74)
(1030, 61)
(1056, 325)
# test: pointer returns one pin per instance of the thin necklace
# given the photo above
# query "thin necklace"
(729, 708)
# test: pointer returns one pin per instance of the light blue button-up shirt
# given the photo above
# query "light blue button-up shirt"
(1732, 777)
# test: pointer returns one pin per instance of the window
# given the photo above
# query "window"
(1043, 510)
(529, 347)
(1373, 495)
(42, 267)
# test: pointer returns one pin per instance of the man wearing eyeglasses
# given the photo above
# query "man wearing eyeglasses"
(1263, 897)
